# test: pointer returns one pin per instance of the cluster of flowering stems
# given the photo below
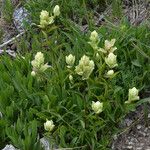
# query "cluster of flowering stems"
(85, 66)
(46, 19)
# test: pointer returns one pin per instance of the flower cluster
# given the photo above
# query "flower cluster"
(46, 19)
(132, 95)
(111, 60)
(38, 64)
(70, 59)
(49, 125)
(109, 48)
(97, 107)
(85, 67)
(94, 40)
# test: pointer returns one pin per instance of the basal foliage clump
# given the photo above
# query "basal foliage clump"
(73, 88)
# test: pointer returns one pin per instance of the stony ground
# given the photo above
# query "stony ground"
(136, 132)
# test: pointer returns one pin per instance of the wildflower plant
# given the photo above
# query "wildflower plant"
(133, 95)
(38, 64)
(49, 125)
(47, 19)
(85, 67)
(84, 95)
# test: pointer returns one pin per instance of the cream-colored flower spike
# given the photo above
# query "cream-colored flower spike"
(45, 19)
(85, 67)
(56, 11)
(111, 60)
(94, 36)
(70, 59)
(108, 47)
(49, 125)
(44, 15)
(97, 107)
(94, 40)
(38, 64)
(133, 95)
(109, 44)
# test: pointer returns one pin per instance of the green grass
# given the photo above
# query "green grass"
(26, 101)
(7, 11)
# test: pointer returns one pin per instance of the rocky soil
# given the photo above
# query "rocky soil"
(136, 131)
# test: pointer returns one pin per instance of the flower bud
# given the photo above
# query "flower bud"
(97, 107)
(111, 60)
(70, 60)
(33, 73)
(94, 36)
(94, 40)
(49, 125)
(56, 11)
(97, 55)
(133, 95)
(1, 115)
(71, 78)
(109, 73)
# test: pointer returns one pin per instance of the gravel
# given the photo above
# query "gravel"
(136, 132)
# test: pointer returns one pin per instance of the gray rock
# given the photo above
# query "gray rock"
(19, 16)
(128, 122)
(139, 126)
(9, 147)
(45, 143)
(130, 147)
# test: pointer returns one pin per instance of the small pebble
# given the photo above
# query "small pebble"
(13, 47)
(146, 129)
(139, 126)
(115, 137)
(130, 147)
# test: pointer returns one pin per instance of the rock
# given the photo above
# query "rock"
(130, 147)
(13, 46)
(19, 16)
(139, 126)
(46, 144)
(9, 147)
(128, 122)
